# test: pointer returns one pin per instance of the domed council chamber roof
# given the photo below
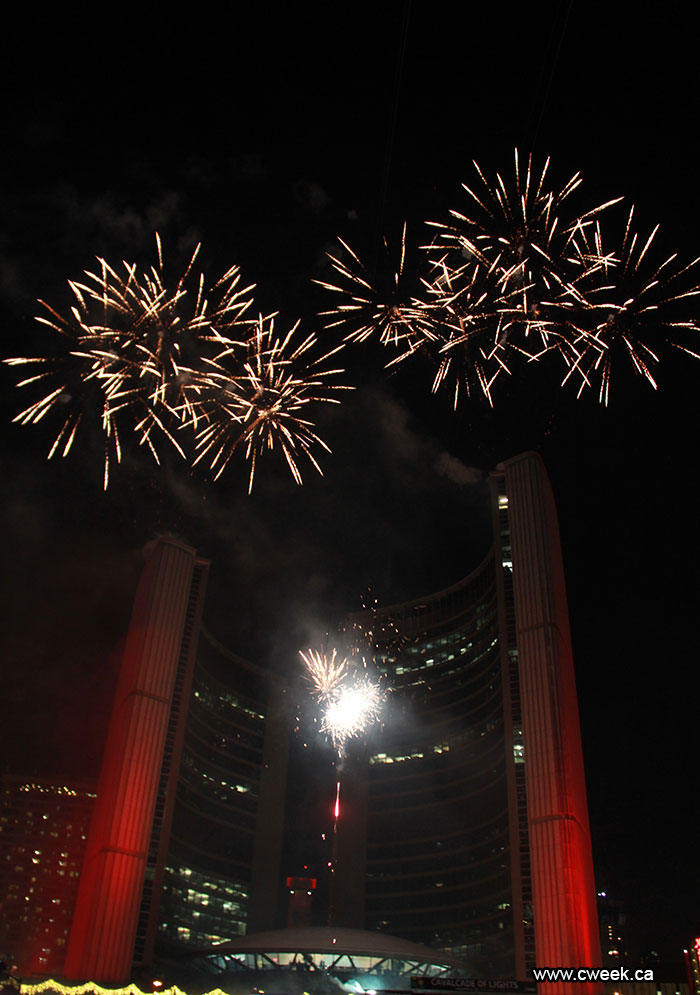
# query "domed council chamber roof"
(313, 943)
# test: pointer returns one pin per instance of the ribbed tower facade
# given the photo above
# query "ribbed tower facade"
(184, 844)
(135, 787)
(563, 887)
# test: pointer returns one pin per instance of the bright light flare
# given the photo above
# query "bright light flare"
(351, 710)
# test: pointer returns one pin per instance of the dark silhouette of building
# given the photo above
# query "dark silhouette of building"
(612, 918)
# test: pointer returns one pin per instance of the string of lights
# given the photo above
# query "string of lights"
(91, 986)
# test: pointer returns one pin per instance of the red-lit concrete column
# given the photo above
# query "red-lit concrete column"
(565, 915)
(102, 937)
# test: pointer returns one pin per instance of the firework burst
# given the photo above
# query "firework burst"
(502, 280)
(323, 671)
(83, 383)
(139, 357)
(525, 226)
(380, 306)
(467, 323)
(531, 242)
(132, 353)
(636, 307)
(351, 701)
(260, 396)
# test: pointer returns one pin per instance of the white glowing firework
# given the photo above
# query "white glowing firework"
(351, 702)
(351, 710)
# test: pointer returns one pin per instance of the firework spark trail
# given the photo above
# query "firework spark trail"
(374, 628)
(259, 397)
(132, 352)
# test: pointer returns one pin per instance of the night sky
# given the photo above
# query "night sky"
(266, 131)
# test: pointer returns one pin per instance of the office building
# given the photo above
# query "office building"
(221, 872)
(692, 965)
(477, 837)
(43, 831)
(463, 825)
